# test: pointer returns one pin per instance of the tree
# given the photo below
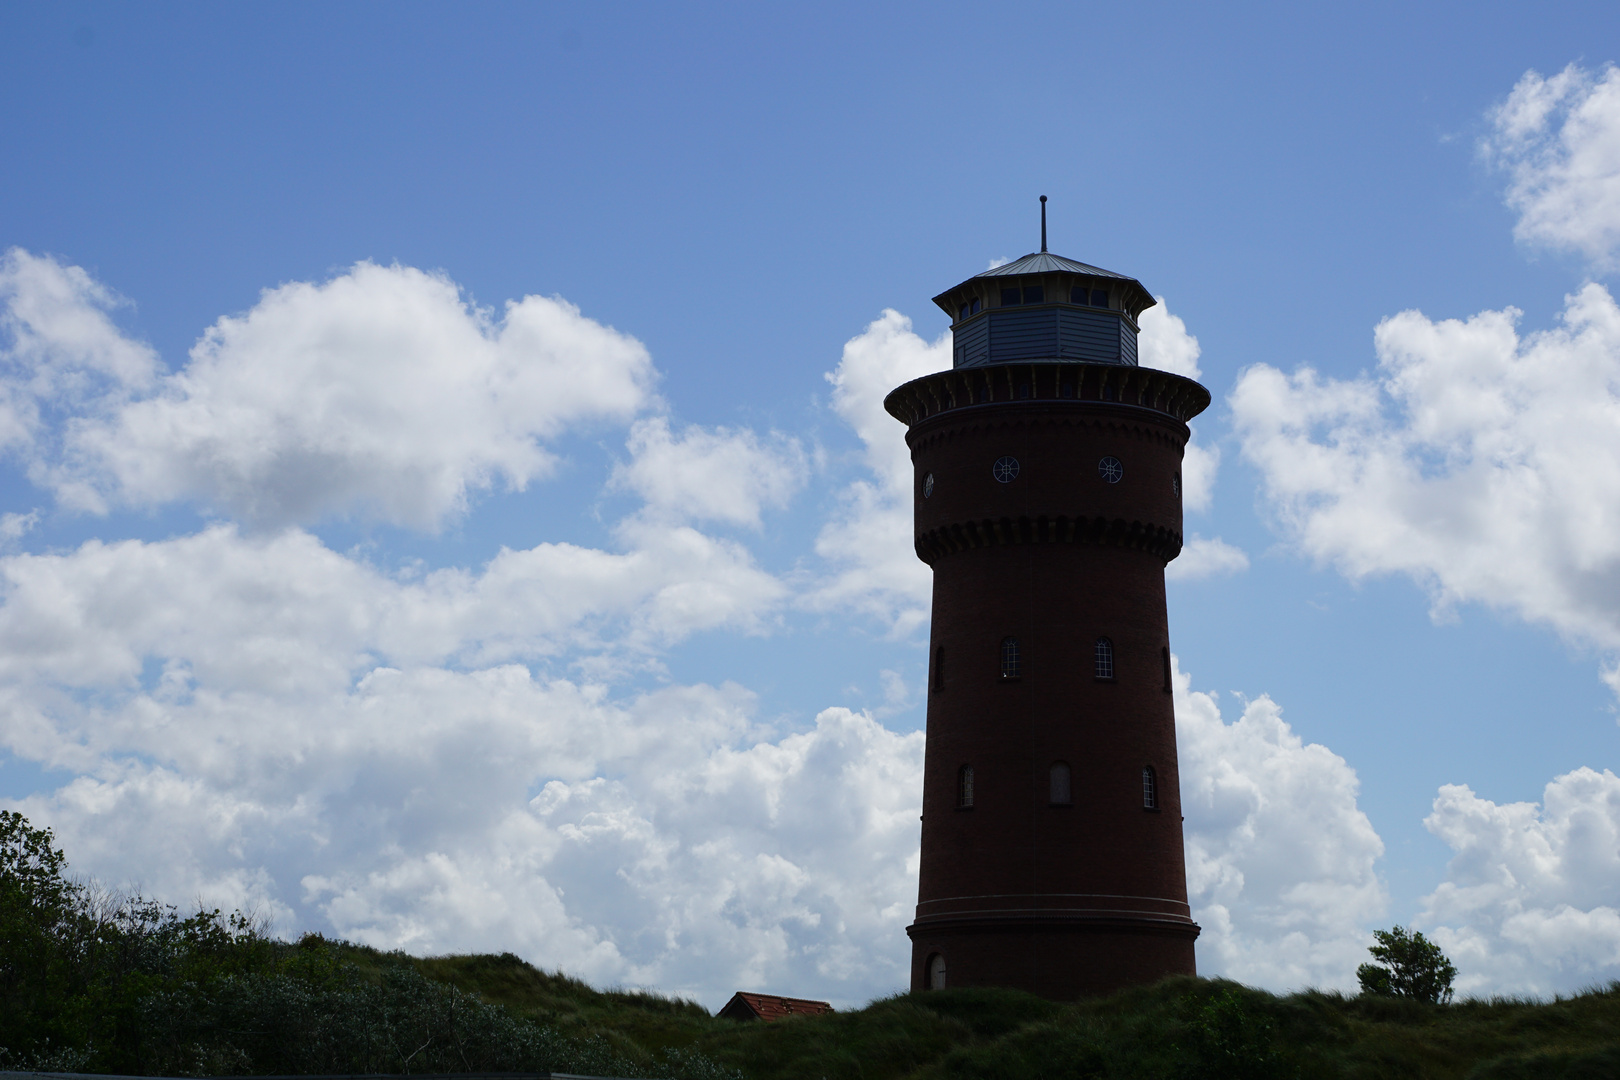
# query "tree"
(38, 917)
(1410, 965)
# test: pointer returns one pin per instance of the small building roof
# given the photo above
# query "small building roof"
(745, 1006)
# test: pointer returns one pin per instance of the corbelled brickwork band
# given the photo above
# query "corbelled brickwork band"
(1146, 388)
(943, 540)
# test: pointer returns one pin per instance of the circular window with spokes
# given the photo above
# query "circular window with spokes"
(1110, 470)
(928, 485)
(1005, 469)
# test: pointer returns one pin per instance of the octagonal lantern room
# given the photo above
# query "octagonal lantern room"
(1044, 307)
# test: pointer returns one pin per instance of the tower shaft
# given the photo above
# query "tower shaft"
(1048, 501)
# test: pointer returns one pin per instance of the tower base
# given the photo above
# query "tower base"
(1060, 960)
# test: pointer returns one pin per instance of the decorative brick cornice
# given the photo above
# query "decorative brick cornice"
(1099, 531)
(942, 429)
(1047, 382)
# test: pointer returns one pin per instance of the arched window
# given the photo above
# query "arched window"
(1105, 658)
(1059, 790)
(1164, 654)
(1150, 788)
(964, 786)
(939, 667)
(936, 972)
(1009, 658)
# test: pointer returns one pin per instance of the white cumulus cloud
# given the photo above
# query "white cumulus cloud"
(1280, 860)
(261, 721)
(1164, 342)
(726, 475)
(380, 393)
(1558, 139)
(59, 347)
(1205, 558)
(869, 539)
(1478, 462)
(1531, 899)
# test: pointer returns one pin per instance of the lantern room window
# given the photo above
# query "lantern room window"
(1029, 294)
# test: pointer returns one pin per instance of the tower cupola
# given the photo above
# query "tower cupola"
(1044, 307)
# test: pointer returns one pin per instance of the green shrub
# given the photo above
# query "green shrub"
(1410, 965)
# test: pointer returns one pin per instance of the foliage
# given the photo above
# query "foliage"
(1410, 966)
(1231, 1038)
(91, 981)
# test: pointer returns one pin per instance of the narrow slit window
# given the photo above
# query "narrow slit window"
(1105, 658)
(1010, 665)
(1164, 654)
(1059, 790)
(939, 667)
(964, 787)
(1150, 788)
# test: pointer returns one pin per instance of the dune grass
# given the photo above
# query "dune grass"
(1181, 1028)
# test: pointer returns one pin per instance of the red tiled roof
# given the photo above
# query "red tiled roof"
(743, 1006)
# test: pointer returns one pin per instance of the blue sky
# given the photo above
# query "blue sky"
(254, 586)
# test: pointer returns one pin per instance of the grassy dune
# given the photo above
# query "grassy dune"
(1184, 1028)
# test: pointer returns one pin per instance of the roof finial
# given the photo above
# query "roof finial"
(1043, 223)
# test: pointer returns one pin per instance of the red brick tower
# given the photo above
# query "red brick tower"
(1048, 501)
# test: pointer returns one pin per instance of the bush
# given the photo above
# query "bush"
(1232, 1039)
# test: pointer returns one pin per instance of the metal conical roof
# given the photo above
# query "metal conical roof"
(1040, 262)
(1133, 297)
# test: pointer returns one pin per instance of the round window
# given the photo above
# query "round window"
(1005, 469)
(928, 485)
(1111, 470)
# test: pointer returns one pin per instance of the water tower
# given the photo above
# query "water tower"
(1048, 501)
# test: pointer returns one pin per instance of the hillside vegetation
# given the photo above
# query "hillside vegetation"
(99, 983)
(1182, 1028)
